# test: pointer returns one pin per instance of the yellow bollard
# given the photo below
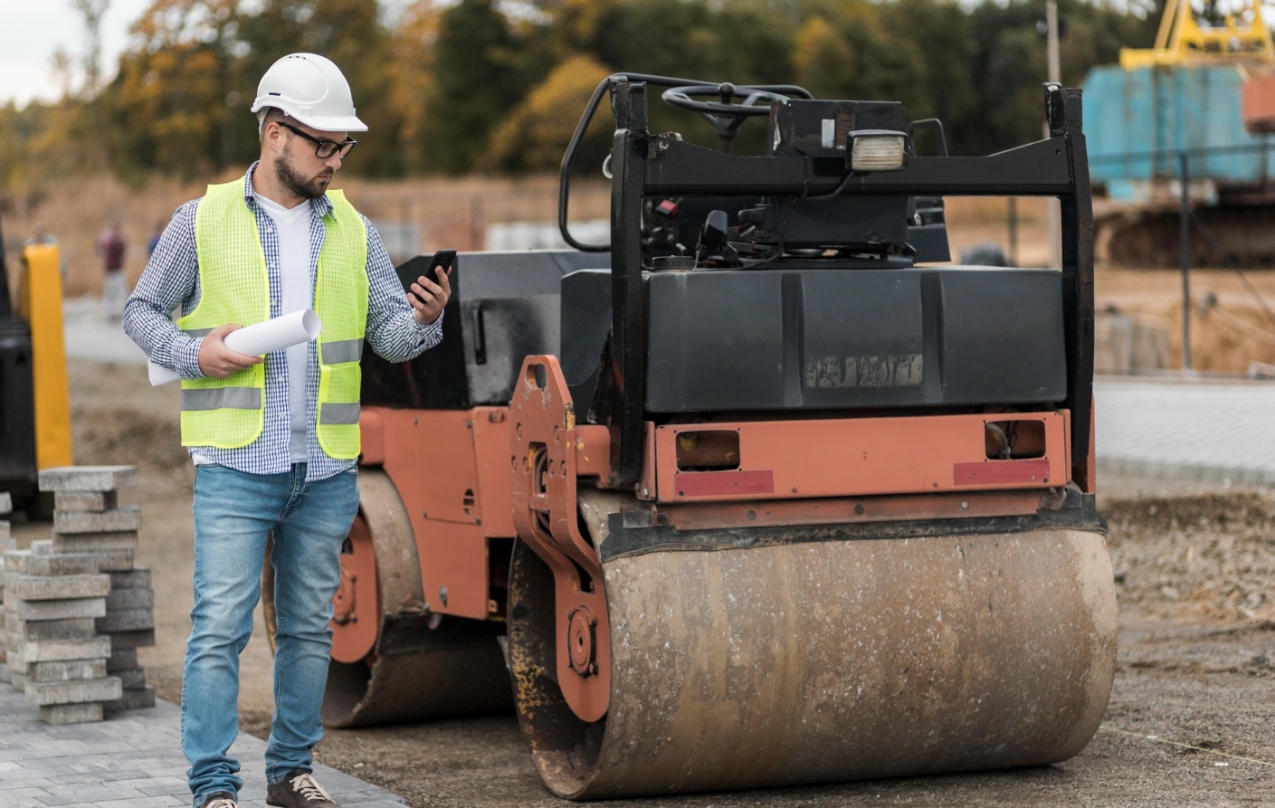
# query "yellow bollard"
(40, 303)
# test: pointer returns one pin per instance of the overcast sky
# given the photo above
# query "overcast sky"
(32, 30)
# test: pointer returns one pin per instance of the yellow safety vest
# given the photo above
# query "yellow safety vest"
(235, 288)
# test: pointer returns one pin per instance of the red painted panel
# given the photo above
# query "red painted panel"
(999, 472)
(723, 483)
(841, 457)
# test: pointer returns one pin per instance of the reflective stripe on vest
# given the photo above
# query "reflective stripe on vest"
(235, 288)
(346, 350)
(233, 398)
(339, 414)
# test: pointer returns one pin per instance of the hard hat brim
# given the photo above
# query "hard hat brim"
(340, 123)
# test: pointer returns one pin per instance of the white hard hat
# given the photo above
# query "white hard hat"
(310, 88)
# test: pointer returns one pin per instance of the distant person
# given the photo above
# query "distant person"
(111, 247)
(274, 450)
(156, 232)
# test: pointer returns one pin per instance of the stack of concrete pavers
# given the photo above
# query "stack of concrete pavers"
(55, 654)
(88, 520)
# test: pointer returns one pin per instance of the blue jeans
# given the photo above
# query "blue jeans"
(233, 513)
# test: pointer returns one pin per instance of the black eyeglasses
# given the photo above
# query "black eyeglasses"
(323, 148)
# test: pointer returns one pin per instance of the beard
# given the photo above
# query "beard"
(306, 187)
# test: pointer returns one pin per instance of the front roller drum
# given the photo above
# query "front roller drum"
(392, 661)
(825, 660)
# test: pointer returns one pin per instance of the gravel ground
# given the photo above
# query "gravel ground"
(1189, 721)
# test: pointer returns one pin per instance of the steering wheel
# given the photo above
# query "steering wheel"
(726, 116)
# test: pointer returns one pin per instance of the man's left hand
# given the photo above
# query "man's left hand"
(429, 297)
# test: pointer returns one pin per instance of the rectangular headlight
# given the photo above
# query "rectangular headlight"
(877, 150)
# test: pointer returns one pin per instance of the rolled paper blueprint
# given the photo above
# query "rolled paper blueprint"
(257, 340)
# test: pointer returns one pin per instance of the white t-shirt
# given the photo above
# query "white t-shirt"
(293, 226)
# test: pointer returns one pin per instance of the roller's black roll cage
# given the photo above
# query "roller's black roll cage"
(643, 164)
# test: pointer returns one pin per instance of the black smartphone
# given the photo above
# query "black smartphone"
(442, 258)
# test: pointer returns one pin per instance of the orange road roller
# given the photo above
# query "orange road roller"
(765, 491)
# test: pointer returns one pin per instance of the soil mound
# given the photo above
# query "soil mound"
(1206, 556)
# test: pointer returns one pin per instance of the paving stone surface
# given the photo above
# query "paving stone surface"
(1203, 430)
(84, 500)
(126, 518)
(132, 760)
(88, 479)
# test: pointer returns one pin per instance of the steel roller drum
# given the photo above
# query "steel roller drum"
(825, 660)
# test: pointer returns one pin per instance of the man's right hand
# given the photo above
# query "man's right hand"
(218, 361)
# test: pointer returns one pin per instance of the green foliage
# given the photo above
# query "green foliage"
(479, 76)
(498, 85)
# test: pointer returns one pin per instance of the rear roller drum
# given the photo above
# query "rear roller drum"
(813, 659)
(392, 661)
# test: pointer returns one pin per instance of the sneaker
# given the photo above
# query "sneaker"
(298, 790)
(220, 799)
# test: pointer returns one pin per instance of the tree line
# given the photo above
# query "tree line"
(498, 85)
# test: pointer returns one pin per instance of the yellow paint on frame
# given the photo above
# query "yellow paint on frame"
(40, 303)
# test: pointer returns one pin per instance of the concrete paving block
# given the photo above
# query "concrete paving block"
(76, 628)
(94, 542)
(15, 562)
(126, 620)
(68, 670)
(116, 520)
(97, 647)
(88, 478)
(121, 659)
(131, 679)
(132, 700)
(61, 587)
(85, 713)
(62, 564)
(132, 639)
(130, 599)
(136, 578)
(42, 547)
(6, 502)
(84, 500)
(105, 689)
(113, 560)
(61, 609)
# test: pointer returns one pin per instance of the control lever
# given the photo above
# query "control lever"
(712, 239)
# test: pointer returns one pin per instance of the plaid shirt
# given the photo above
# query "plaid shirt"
(172, 278)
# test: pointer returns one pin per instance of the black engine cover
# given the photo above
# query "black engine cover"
(838, 339)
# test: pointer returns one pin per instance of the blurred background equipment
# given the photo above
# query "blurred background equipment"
(35, 410)
(1201, 101)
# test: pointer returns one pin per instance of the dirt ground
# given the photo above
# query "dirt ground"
(1190, 720)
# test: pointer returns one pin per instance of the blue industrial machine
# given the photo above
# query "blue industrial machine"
(1200, 101)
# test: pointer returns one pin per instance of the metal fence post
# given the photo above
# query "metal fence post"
(1184, 225)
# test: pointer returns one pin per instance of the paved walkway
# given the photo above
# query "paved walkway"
(131, 761)
(1202, 430)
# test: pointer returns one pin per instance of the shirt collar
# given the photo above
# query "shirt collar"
(321, 206)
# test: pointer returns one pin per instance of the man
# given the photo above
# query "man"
(111, 247)
(274, 442)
